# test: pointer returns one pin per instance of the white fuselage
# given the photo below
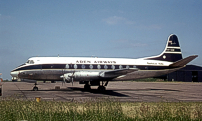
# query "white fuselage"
(52, 68)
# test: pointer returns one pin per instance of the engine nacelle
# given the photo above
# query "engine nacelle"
(81, 75)
(86, 75)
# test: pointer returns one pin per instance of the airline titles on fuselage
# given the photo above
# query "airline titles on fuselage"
(95, 62)
(108, 62)
(151, 63)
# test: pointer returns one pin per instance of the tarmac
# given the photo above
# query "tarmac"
(123, 91)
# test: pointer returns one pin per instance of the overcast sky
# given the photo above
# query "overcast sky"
(103, 28)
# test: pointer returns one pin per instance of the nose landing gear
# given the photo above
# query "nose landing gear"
(35, 88)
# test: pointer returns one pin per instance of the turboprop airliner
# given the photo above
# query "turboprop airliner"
(94, 71)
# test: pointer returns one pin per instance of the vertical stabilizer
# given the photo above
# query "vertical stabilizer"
(172, 52)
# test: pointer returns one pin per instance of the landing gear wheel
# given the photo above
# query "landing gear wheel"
(101, 88)
(35, 89)
(87, 87)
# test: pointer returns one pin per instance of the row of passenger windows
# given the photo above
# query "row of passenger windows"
(75, 66)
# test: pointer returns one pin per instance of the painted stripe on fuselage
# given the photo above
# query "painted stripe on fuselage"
(173, 52)
(87, 67)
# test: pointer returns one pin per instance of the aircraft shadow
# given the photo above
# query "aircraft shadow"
(147, 89)
(95, 91)
(106, 92)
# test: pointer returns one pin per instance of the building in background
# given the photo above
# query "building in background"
(190, 73)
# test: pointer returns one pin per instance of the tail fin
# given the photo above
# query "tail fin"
(172, 52)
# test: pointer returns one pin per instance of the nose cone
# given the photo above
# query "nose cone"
(14, 73)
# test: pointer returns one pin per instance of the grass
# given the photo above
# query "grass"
(104, 109)
(180, 111)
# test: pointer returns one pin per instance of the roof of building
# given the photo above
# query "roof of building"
(191, 68)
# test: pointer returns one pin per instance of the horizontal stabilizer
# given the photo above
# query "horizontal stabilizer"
(183, 62)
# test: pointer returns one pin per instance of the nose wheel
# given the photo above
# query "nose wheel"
(35, 88)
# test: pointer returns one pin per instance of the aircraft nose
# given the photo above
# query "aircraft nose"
(14, 73)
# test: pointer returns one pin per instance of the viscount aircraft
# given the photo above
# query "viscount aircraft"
(94, 71)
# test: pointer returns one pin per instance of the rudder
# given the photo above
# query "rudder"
(172, 51)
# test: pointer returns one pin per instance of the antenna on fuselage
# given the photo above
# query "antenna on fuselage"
(93, 56)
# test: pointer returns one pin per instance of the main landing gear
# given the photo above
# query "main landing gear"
(87, 87)
(35, 88)
(101, 87)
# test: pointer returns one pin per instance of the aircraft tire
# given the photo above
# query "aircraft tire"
(35, 88)
(87, 87)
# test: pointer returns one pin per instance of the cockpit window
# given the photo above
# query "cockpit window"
(27, 61)
(30, 62)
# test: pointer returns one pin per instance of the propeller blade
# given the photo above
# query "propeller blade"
(63, 80)
(72, 81)
(73, 78)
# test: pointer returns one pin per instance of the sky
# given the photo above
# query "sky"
(102, 28)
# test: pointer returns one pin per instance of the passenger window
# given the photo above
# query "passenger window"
(105, 66)
(120, 67)
(75, 66)
(91, 66)
(98, 66)
(67, 66)
(83, 66)
(113, 67)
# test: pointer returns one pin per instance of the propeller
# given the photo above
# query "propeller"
(68, 77)
(72, 77)
(63, 76)
(72, 81)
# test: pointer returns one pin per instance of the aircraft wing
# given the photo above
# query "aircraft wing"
(183, 62)
(116, 73)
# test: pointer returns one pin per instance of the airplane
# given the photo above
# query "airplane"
(94, 71)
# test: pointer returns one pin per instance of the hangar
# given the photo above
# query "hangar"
(190, 73)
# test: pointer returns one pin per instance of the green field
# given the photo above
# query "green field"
(97, 109)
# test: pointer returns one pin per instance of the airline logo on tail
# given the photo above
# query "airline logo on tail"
(171, 42)
(172, 52)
